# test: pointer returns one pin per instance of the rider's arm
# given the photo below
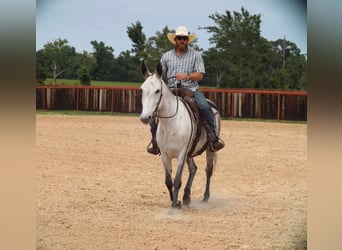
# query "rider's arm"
(194, 76)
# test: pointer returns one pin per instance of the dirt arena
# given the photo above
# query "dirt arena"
(98, 188)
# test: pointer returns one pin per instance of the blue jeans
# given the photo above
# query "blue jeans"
(205, 109)
(153, 127)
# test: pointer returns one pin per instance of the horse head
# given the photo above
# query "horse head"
(150, 92)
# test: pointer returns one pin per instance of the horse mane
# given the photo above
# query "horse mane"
(159, 69)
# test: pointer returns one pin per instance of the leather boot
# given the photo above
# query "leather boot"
(215, 143)
(154, 149)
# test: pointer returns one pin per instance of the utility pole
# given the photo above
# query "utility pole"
(284, 51)
(54, 72)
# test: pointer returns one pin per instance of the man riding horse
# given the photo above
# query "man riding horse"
(185, 65)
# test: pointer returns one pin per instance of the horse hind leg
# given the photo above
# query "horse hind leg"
(187, 190)
(211, 160)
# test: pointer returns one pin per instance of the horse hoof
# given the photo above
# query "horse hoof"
(187, 201)
(178, 205)
(205, 200)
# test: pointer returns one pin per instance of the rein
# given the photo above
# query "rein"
(161, 94)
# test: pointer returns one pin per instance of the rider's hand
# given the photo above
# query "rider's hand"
(182, 76)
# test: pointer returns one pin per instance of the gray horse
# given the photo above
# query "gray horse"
(176, 134)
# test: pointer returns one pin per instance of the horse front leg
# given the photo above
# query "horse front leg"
(187, 190)
(211, 160)
(178, 182)
(168, 178)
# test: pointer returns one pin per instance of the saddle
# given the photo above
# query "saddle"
(187, 96)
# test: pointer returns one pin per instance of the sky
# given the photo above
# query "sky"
(82, 21)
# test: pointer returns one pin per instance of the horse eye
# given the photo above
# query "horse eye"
(157, 91)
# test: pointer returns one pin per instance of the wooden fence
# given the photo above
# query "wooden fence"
(239, 103)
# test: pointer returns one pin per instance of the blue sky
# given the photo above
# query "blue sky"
(82, 21)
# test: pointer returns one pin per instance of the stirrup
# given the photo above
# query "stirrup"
(217, 145)
(153, 150)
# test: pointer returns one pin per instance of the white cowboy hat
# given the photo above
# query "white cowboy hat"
(181, 31)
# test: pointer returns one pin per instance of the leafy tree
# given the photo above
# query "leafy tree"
(102, 69)
(262, 59)
(216, 68)
(295, 66)
(84, 76)
(126, 68)
(242, 58)
(288, 66)
(59, 57)
(42, 66)
(41, 74)
(138, 39)
(157, 45)
(237, 39)
(239, 58)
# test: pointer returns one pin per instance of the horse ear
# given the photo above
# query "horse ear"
(159, 69)
(144, 69)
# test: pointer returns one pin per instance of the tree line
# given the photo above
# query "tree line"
(239, 57)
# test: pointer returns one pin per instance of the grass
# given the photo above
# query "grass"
(100, 83)
(93, 83)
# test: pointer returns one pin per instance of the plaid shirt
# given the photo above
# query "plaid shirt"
(191, 61)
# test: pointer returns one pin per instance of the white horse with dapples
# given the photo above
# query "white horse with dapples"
(175, 134)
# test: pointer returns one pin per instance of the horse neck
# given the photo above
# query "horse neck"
(168, 103)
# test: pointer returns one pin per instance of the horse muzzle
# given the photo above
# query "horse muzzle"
(145, 119)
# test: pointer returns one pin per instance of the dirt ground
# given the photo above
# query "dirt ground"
(98, 188)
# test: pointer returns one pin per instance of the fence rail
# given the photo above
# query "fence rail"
(240, 103)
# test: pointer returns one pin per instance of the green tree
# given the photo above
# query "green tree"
(103, 66)
(156, 46)
(216, 68)
(41, 74)
(42, 66)
(242, 58)
(59, 57)
(127, 68)
(288, 66)
(77, 61)
(138, 39)
(239, 58)
(262, 60)
(237, 39)
(84, 76)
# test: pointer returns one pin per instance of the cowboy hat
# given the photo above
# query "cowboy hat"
(181, 31)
